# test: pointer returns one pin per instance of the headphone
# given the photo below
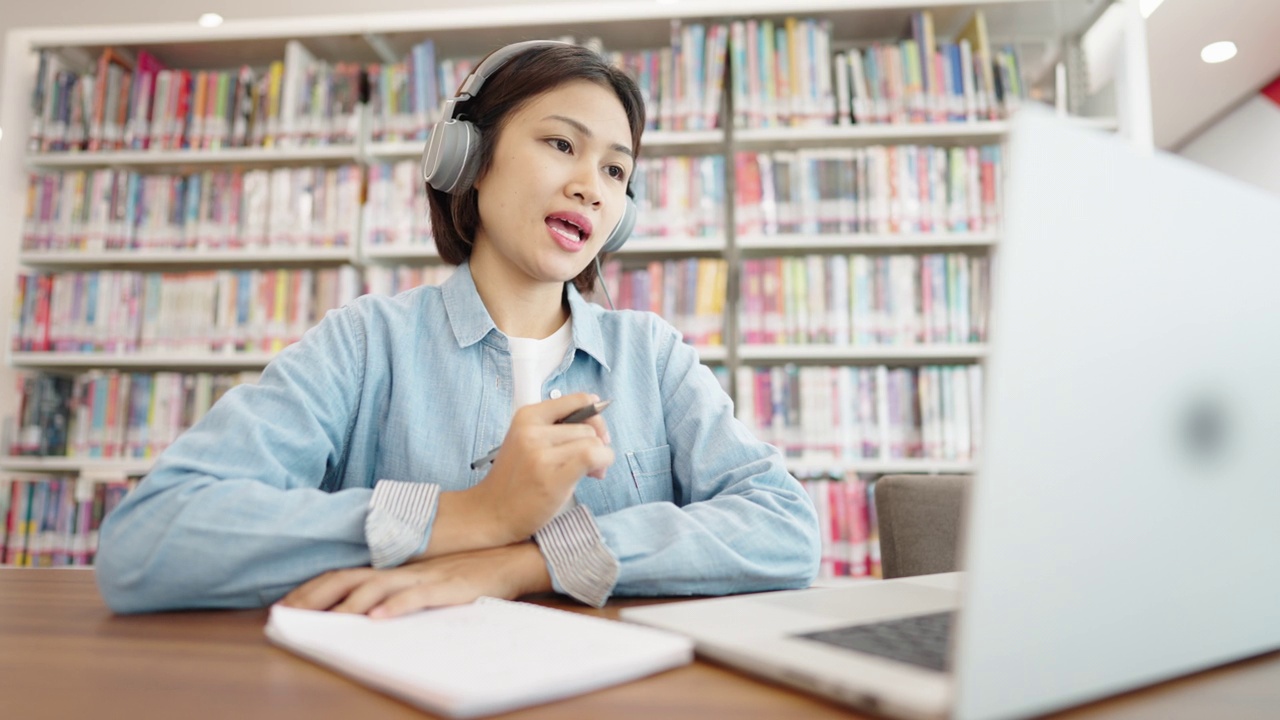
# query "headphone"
(452, 157)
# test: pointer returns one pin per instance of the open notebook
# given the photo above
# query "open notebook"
(480, 659)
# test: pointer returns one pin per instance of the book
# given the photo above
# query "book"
(488, 657)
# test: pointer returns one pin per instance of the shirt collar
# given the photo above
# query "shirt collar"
(471, 322)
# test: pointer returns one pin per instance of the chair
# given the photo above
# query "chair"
(919, 518)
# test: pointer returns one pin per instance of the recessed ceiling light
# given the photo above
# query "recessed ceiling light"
(210, 20)
(1218, 52)
(1146, 7)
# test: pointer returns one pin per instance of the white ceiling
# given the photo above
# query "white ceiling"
(1187, 94)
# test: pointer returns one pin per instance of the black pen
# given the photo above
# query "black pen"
(577, 416)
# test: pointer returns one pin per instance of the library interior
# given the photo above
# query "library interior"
(633, 358)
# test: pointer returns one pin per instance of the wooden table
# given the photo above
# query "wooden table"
(64, 655)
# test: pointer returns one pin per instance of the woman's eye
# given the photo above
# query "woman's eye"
(616, 172)
(562, 145)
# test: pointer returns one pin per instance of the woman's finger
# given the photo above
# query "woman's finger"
(324, 591)
(376, 589)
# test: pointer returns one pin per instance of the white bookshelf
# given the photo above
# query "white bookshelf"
(1039, 28)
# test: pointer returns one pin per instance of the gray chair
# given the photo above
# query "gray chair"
(920, 519)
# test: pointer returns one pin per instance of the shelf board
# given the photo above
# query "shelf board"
(907, 354)
(97, 468)
(803, 468)
(712, 353)
(129, 258)
(987, 130)
(761, 244)
(674, 142)
(395, 150)
(984, 131)
(188, 158)
(138, 360)
(672, 245)
(391, 253)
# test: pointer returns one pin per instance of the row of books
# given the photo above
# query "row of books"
(786, 73)
(850, 529)
(818, 414)
(923, 80)
(395, 210)
(138, 104)
(211, 311)
(782, 73)
(405, 97)
(54, 522)
(688, 293)
(683, 84)
(865, 299)
(878, 189)
(680, 196)
(114, 414)
(108, 209)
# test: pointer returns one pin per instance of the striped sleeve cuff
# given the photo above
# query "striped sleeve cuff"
(577, 559)
(399, 515)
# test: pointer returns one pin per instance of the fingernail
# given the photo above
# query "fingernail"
(595, 398)
(378, 612)
(608, 439)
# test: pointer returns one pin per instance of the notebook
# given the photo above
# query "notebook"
(485, 658)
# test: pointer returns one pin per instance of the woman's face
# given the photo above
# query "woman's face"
(556, 186)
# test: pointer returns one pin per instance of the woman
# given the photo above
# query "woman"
(344, 480)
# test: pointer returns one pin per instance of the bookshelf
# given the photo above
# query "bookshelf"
(1042, 31)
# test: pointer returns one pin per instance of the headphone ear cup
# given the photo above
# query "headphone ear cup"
(623, 229)
(450, 161)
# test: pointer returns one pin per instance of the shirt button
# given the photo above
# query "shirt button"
(555, 394)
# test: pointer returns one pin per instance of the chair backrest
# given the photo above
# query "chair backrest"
(920, 518)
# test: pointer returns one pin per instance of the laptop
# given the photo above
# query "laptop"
(1122, 526)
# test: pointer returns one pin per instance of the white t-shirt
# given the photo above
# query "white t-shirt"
(532, 362)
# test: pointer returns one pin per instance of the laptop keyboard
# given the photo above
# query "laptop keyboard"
(919, 640)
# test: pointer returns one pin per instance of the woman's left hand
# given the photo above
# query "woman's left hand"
(505, 572)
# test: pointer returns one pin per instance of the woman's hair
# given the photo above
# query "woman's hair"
(454, 218)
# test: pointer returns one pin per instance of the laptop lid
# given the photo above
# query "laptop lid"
(1123, 526)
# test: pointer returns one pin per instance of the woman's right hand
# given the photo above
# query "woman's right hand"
(534, 475)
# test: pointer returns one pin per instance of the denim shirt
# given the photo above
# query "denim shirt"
(274, 485)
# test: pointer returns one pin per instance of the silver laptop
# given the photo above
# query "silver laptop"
(1122, 528)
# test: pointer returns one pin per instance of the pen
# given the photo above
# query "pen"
(577, 416)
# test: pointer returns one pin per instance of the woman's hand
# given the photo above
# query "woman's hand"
(533, 476)
(505, 572)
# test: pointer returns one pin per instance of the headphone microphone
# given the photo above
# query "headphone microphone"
(451, 159)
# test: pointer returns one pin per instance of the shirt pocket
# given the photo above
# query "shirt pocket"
(651, 474)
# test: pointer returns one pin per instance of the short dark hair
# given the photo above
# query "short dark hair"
(454, 218)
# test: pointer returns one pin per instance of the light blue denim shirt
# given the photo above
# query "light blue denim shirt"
(276, 484)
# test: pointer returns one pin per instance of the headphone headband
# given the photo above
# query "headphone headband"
(487, 67)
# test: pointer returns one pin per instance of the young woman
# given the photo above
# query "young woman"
(347, 480)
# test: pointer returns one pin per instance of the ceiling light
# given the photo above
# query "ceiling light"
(1218, 52)
(210, 20)
(1146, 7)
